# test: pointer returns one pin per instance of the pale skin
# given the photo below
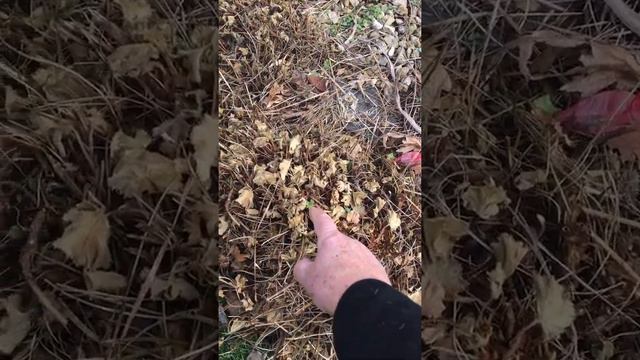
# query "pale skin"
(340, 262)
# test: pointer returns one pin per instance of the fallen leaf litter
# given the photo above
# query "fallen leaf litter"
(107, 139)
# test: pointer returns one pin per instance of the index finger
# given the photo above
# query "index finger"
(323, 225)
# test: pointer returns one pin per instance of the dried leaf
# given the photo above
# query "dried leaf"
(432, 298)
(528, 179)
(172, 289)
(380, 202)
(61, 84)
(592, 83)
(274, 96)
(318, 82)
(509, 254)
(14, 324)
(627, 144)
(441, 233)
(263, 177)
(284, 168)
(122, 142)
(485, 200)
(394, 220)
(139, 171)
(371, 186)
(437, 82)
(606, 65)
(85, 238)
(133, 59)
(12, 101)
(431, 335)
(204, 138)
(135, 12)
(547, 37)
(448, 273)
(555, 309)
(245, 198)
(223, 225)
(294, 143)
(106, 281)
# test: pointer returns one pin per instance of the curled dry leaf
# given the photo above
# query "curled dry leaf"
(394, 220)
(441, 233)
(139, 171)
(14, 324)
(528, 179)
(526, 43)
(485, 200)
(85, 238)
(107, 281)
(133, 59)
(204, 138)
(284, 168)
(606, 65)
(245, 198)
(380, 202)
(509, 254)
(555, 309)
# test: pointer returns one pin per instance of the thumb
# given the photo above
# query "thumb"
(302, 270)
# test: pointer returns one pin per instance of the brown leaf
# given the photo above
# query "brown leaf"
(441, 233)
(274, 96)
(437, 82)
(605, 66)
(627, 144)
(107, 281)
(85, 239)
(547, 37)
(139, 171)
(133, 59)
(14, 324)
(238, 256)
(135, 12)
(204, 138)
(485, 200)
(318, 82)
(554, 305)
(509, 254)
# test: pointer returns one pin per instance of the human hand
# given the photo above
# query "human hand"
(341, 261)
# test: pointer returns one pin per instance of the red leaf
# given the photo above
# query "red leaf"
(319, 83)
(608, 111)
(410, 158)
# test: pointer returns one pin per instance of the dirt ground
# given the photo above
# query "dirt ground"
(107, 204)
(530, 225)
(316, 104)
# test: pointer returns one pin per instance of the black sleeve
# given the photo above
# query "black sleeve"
(375, 321)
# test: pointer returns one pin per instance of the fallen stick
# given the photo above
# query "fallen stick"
(406, 115)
